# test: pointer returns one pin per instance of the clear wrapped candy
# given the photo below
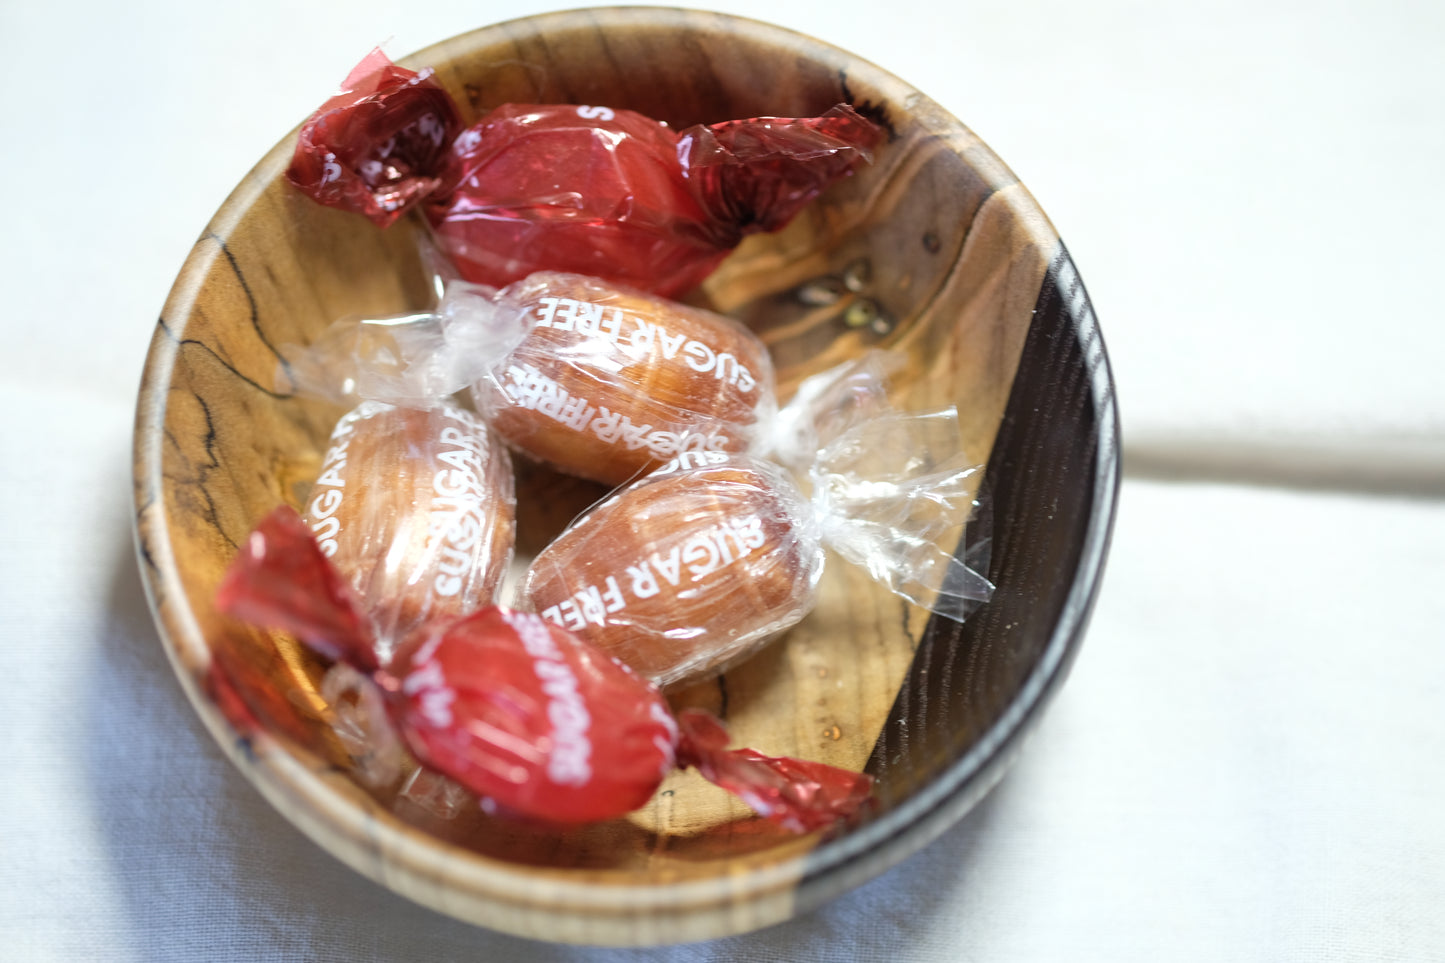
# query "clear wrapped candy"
(598, 380)
(416, 508)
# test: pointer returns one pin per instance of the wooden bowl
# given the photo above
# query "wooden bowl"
(935, 251)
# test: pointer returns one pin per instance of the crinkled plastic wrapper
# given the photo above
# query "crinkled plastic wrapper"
(596, 379)
(593, 190)
(416, 509)
(695, 566)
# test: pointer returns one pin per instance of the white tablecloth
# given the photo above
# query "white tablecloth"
(1248, 761)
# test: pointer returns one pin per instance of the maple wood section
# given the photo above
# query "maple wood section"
(935, 250)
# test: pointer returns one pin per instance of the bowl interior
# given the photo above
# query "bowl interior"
(934, 251)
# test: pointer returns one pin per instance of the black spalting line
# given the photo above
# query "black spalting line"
(181, 343)
(904, 608)
(211, 462)
(204, 470)
(246, 288)
(877, 113)
(191, 342)
(722, 691)
(142, 543)
(210, 435)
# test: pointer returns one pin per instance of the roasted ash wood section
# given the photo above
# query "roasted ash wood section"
(934, 251)
(973, 690)
(1050, 473)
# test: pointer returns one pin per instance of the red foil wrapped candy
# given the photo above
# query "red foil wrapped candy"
(381, 144)
(525, 714)
(584, 189)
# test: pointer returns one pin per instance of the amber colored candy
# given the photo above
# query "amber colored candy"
(610, 382)
(684, 571)
(416, 509)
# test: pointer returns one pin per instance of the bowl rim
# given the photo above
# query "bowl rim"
(382, 848)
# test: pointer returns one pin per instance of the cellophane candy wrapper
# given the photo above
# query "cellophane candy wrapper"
(692, 568)
(830, 403)
(535, 721)
(381, 144)
(597, 379)
(593, 190)
(687, 570)
(356, 713)
(416, 508)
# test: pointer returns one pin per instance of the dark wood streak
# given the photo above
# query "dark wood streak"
(1053, 465)
(224, 363)
(142, 542)
(202, 471)
(955, 260)
(876, 112)
(909, 693)
(613, 65)
(213, 462)
(255, 312)
(905, 609)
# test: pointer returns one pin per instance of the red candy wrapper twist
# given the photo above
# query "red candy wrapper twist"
(379, 146)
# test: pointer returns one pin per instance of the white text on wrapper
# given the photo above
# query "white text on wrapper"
(640, 338)
(330, 485)
(686, 562)
(456, 521)
(569, 762)
(527, 387)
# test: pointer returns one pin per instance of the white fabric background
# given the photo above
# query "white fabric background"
(1249, 758)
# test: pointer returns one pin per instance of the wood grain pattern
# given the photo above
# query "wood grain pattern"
(935, 251)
